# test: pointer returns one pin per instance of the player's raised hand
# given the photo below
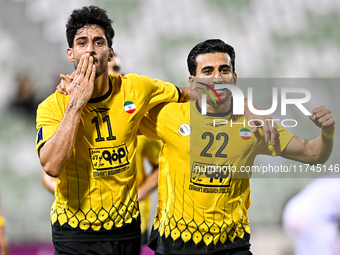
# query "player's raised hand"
(266, 122)
(323, 118)
(81, 87)
(62, 86)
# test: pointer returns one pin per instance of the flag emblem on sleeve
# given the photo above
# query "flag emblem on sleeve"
(245, 133)
(40, 135)
(129, 107)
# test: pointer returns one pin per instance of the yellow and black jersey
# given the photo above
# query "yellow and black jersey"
(96, 193)
(146, 149)
(203, 195)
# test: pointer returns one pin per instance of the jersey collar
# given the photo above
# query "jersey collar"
(103, 97)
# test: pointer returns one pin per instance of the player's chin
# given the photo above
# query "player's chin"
(224, 97)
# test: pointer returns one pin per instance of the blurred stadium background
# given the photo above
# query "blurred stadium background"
(272, 39)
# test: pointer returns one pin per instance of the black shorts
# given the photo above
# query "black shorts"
(144, 238)
(126, 247)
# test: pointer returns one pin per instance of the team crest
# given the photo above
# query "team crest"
(245, 133)
(129, 107)
(184, 129)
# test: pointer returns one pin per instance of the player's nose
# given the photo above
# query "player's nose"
(90, 48)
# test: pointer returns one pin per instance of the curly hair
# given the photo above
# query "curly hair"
(89, 15)
(209, 46)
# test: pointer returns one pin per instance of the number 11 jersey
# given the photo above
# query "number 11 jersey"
(96, 192)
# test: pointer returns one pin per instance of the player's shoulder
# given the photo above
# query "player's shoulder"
(133, 77)
(115, 77)
(55, 99)
(126, 78)
(147, 82)
(132, 83)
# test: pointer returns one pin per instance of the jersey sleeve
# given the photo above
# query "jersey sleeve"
(282, 139)
(49, 114)
(160, 91)
(152, 124)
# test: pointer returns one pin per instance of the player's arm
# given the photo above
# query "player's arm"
(48, 182)
(317, 150)
(149, 185)
(4, 247)
(152, 124)
(57, 150)
(151, 152)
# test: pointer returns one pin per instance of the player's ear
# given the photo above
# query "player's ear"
(235, 78)
(70, 54)
(191, 82)
(111, 54)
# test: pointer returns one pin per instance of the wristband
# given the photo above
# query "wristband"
(328, 135)
(2, 221)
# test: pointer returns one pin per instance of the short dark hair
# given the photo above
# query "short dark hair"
(209, 46)
(89, 15)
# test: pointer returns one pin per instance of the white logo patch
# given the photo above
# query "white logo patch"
(184, 129)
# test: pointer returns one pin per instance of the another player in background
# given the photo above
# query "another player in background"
(146, 149)
(4, 247)
(312, 218)
(202, 209)
(88, 139)
(115, 65)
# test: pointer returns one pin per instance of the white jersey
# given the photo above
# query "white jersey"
(312, 218)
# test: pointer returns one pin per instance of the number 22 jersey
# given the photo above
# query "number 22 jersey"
(203, 196)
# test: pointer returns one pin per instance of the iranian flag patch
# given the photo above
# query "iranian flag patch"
(129, 107)
(245, 133)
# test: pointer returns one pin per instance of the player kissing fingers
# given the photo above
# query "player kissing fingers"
(67, 80)
(81, 87)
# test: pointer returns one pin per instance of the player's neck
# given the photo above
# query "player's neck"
(101, 85)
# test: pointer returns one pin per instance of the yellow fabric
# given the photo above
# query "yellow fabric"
(194, 206)
(146, 149)
(97, 188)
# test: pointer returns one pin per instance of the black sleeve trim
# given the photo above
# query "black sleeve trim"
(179, 94)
